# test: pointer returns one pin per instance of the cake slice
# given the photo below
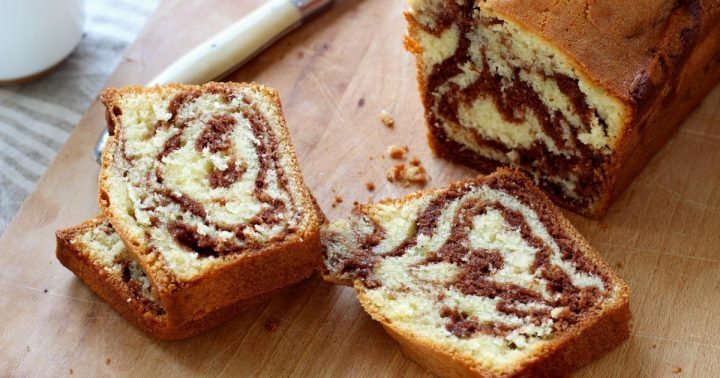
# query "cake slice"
(484, 278)
(95, 253)
(579, 95)
(203, 186)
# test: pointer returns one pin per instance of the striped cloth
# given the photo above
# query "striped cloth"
(37, 118)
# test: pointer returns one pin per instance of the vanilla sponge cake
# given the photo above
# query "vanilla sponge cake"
(97, 255)
(203, 186)
(484, 278)
(579, 95)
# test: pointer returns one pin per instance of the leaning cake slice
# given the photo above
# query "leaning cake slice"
(203, 186)
(95, 253)
(578, 94)
(484, 278)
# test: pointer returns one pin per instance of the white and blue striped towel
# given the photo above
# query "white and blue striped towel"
(37, 118)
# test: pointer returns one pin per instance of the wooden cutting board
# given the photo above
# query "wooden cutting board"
(335, 75)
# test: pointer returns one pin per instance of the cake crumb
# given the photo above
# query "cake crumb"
(45, 290)
(71, 371)
(397, 153)
(387, 119)
(355, 203)
(338, 200)
(370, 186)
(654, 346)
(412, 173)
(272, 324)
(27, 348)
(108, 361)
(361, 102)
(370, 157)
(677, 370)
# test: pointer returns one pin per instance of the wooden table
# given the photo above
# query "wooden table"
(335, 76)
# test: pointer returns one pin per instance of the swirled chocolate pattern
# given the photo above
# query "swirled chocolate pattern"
(102, 247)
(497, 95)
(200, 173)
(484, 266)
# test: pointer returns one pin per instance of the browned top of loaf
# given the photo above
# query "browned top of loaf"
(630, 47)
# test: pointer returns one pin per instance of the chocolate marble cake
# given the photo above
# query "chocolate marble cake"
(484, 278)
(97, 255)
(577, 94)
(203, 186)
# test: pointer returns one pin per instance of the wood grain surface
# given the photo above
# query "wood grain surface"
(335, 75)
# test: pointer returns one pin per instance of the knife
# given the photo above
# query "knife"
(224, 52)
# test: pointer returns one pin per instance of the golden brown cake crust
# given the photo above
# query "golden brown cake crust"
(625, 46)
(659, 56)
(247, 275)
(117, 294)
(576, 348)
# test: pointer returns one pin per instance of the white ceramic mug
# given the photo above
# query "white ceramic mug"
(36, 35)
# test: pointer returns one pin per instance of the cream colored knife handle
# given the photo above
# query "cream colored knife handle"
(234, 46)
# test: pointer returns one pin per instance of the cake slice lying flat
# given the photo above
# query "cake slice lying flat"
(95, 253)
(203, 186)
(578, 94)
(484, 278)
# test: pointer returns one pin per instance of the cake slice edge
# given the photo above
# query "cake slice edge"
(580, 344)
(126, 300)
(245, 276)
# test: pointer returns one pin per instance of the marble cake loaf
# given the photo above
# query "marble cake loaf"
(203, 186)
(484, 278)
(95, 253)
(579, 95)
